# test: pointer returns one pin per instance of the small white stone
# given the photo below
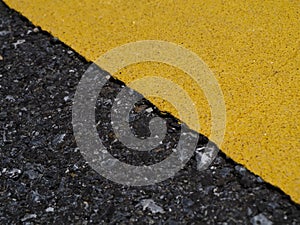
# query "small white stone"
(149, 110)
(260, 219)
(151, 205)
(50, 209)
(10, 98)
(28, 217)
(18, 43)
(205, 155)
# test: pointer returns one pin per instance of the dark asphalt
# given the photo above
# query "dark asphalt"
(45, 180)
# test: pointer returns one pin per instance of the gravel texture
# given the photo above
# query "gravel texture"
(45, 179)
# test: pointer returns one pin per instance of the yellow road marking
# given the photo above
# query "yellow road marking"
(251, 46)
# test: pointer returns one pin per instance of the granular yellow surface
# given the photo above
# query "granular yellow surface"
(251, 46)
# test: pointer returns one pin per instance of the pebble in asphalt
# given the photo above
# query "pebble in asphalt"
(45, 180)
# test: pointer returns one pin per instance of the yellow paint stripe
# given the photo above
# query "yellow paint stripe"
(251, 46)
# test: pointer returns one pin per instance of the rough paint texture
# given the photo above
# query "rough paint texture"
(252, 48)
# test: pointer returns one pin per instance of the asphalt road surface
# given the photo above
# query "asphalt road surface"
(45, 179)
